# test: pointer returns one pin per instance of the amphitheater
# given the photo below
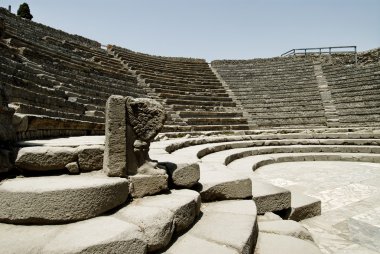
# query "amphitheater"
(277, 155)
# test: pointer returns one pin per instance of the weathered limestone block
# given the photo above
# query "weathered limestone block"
(143, 185)
(131, 124)
(60, 199)
(145, 119)
(185, 204)
(115, 153)
(73, 167)
(183, 174)
(42, 158)
(90, 158)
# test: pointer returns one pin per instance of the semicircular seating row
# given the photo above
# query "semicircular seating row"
(223, 196)
(215, 154)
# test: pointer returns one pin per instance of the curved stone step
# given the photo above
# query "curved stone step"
(302, 207)
(145, 225)
(225, 227)
(59, 199)
(270, 198)
(219, 183)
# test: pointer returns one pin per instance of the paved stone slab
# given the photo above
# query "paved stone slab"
(57, 199)
(229, 224)
(41, 158)
(273, 243)
(346, 190)
(285, 227)
(365, 229)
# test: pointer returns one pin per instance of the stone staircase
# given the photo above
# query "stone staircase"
(331, 114)
(192, 94)
(276, 92)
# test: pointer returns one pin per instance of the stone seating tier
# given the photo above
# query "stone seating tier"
(201, 98)
(37, 28)
(190, 62)
(178, 80)
(182, 86)
(35, 110)
(188, 91)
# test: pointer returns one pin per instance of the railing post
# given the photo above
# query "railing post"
(356, 57)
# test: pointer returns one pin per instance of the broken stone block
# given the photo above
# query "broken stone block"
(183, 174)
(73, 167)
(90, 158)
(42, 158)
(145, 185)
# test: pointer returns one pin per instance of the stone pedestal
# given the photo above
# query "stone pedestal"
(131, 124)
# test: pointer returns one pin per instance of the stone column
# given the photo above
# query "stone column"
(115, 153)
(131, 124)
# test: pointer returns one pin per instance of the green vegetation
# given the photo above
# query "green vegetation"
(24, 11)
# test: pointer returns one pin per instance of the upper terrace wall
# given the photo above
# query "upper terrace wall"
(33, 29)
(58, 83)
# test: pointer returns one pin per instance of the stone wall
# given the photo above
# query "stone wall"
(2, 27)
(7, 132)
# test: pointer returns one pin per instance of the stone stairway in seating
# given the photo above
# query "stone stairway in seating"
(355, 91)
(331, 114)
(190, 91)
(277, 92)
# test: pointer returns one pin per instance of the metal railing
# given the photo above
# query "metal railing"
(322, 50)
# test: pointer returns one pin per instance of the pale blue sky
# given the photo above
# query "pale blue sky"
(214, 29)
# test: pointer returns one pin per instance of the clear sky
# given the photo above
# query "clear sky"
(214, 29)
